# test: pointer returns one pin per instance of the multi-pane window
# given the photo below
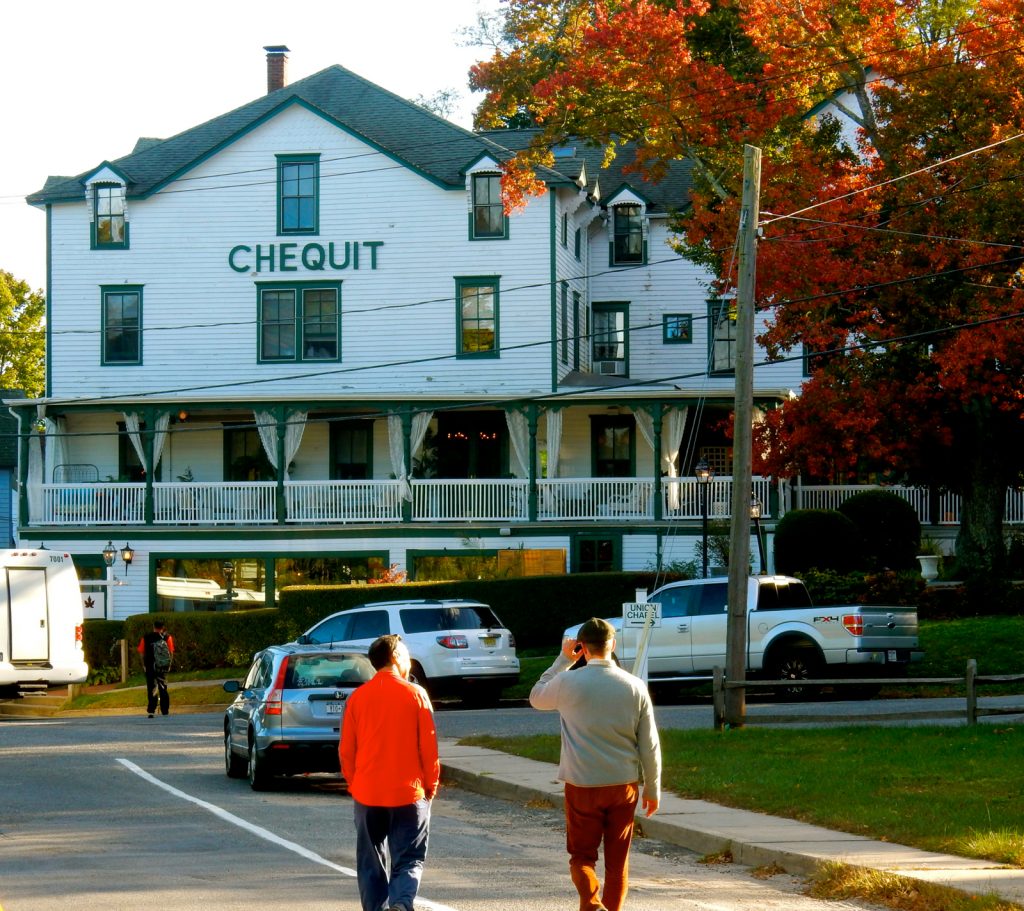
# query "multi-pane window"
(628, 240)
(609, 332)
(575, 330)
(298, 323)
(565, 229)
(565, 322)
(612, 446)
(298, 194)
(351, 450)
(677, 328)
(122, 325)
(488, 216)
(477, 301)
(109, 226)
(245, 459)
(722, 337)
(577, 243)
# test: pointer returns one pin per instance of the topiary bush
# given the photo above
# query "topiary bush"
(889, 527)
(817, 539)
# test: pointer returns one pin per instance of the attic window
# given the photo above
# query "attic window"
(487, 216)
(628, 246)
(109, 224)
(298, 194)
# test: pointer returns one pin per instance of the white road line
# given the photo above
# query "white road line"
(259, 831)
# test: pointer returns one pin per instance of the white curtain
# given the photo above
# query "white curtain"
(420, 422)
(645, 424)
(56, 447)
(519, 433)
(554, 422)
(396, 446)
(295, 426)
(35, 471)
(671, 440)
(132, 424)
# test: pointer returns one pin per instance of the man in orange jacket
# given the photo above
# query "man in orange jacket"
(388, 754)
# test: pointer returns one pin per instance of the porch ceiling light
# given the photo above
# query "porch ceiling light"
(109, 554)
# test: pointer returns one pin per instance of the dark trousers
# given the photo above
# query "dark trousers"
(156, 689)
(403, 830)
(593, 815)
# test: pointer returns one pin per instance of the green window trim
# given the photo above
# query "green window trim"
(609, 333)
(721, 338)
(577, 244)
(576, 330)
(298, 194)
(301, 321)
(565, 230)
(565, 322)
(477, 316)
(108, 229)
(121, 325)
(628, 244)
(676, 328)
(612, 446)
(487, 218)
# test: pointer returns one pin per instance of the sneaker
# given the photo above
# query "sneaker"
(150, 715)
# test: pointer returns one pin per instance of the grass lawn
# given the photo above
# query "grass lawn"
(136, 698)
(949, 789)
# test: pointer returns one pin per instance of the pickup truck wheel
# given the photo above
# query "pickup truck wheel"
(796, 664)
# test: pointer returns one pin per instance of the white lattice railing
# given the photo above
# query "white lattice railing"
(213, 503)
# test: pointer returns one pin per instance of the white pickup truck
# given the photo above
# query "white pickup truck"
(787, 637)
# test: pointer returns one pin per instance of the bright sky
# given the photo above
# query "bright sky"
(82, 81)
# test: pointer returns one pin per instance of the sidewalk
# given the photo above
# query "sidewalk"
(754, 839)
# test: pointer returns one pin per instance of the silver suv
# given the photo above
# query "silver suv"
(458, 647)
(286, 718)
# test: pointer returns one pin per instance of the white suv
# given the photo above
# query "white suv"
(458, 647)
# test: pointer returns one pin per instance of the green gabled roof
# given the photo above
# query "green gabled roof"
(403, 131)
(671, 193)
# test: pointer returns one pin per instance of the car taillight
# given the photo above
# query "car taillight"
(511, 641)
(275, 696)
(854, 624)
(453, 641)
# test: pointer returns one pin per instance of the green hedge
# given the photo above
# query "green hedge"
(821, 539)
(536, 609)
(99, 640)
(207, 639)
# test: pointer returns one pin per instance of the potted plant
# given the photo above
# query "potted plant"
(929, 557)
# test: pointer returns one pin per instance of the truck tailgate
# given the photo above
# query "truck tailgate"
(889, 627)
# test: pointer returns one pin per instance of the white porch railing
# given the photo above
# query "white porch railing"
(213, 503)
(470, 500)
(92, 504)
(343, 501)
(830, 496)
(683, 497)
(594, 498)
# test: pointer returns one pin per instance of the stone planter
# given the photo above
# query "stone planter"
(929, 566)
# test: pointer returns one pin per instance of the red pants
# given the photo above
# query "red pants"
(592, 815)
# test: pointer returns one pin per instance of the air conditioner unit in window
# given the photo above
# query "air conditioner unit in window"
(610, 368)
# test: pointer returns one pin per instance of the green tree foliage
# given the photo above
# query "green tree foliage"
(22, 337)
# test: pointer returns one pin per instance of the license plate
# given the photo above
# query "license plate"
(892, 654)
(334, 708)
(490, 641)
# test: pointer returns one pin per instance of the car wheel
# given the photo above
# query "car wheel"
(416, 675)
(234, 766)
(796, 664)
(256, 769)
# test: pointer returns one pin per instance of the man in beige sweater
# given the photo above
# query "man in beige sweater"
(609, 747)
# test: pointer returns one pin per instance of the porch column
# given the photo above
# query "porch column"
(282, 466)
(407, 449)
(149, 416)
(531, 504)
(656, 414)
(25, 430)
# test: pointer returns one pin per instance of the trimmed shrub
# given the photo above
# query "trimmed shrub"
(889, 527)
(99, 641)
(821, 539)
(536, 609)
(207, 639)
(827, 587)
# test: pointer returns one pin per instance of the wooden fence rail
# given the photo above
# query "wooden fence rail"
(971, 711)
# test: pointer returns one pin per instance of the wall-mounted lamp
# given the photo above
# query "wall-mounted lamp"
(127, 554)
(183, 415)
(109, 554)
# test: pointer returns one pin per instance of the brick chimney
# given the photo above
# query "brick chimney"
(277, 67)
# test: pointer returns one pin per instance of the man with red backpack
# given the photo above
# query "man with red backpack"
(157, 649)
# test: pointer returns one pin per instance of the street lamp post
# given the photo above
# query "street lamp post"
(704, 473)
(109, 556)
(229, 577)
(755, 514)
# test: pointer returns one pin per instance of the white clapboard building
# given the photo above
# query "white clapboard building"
(303, 339)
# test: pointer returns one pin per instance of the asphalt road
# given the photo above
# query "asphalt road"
(124, 812)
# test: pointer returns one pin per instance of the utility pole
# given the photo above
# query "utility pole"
(739, 541)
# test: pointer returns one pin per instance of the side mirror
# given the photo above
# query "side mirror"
(232, 686)
(303, 640)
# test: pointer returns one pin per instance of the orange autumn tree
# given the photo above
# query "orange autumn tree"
(892, 247)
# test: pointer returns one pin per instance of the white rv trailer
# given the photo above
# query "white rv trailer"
(41, 618)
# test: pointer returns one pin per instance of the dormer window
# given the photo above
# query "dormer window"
(109, 223)
(487, 216)
(628, 235)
